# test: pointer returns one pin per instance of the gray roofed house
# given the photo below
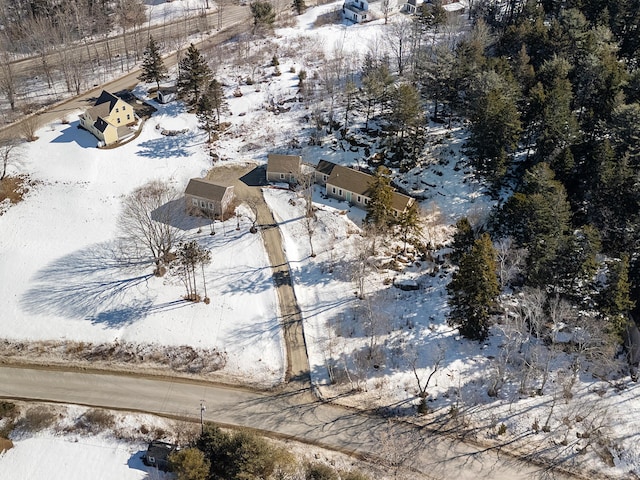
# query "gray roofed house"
(207, 198)
(353, 186)
(283, 168)
(323, 170)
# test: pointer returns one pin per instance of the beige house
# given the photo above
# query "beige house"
(323, 171)
(204, 197)
(283, 168)
(109, 119)
(353, 186)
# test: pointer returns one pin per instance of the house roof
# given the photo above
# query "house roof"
(108, 98)
(400, 201)
(103, 106)
(359, 183)
(350, 179)
(200, 187)
(160, 450)
(100, 124)
(283, 163)
(325, 167)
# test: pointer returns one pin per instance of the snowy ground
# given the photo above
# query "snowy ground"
(64, 283)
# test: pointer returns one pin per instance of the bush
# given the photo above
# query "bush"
(36, 419)
(7, 410)
(320, 471)
(96, 420)
(354, 475)
(241, 455)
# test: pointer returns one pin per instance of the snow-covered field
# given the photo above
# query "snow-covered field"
(61, 280)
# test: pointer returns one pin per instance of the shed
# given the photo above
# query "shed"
(157, 454)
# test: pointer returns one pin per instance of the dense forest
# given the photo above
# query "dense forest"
(552, 91)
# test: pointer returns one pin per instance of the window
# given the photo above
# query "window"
(340, 191)
(210, 206)
(282, 176)
(203, 204)
(333, 189)
(124, 108)
(366, 201)
(194, 201)
(324, 178)
(128, 117)
(118, 119)
(117, 110)
(359, 199)
(151, 460)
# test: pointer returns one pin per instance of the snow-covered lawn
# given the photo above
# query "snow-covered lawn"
(64, 278)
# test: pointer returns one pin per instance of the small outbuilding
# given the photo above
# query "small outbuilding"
(157, 454)
(207, 198)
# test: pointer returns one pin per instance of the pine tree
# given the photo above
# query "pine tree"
(206, 115)
(495, 130)
(474, 290)
(219, 102)
(299, 6)
(189, 464)
(153, 68)
(380, 193)
(263, 15)
(463, 239)
(615, 300)
(409, 223)
(194, 76)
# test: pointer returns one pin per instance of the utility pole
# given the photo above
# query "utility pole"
(203, 408)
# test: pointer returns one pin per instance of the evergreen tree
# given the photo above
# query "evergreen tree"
(406, 121)
(299, 6)
(206, 115)
(189, 464)
(538, 217)
(463, 240)
(615, 300)
(495, 130)
(409, 223)
(557, 125)
(380, 193)
(218, 101)
(194, 76)
(263, 15)
(473, 290)
(153, 68)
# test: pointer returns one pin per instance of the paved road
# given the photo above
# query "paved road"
(235, 19)
(288, 414)
(248, 181)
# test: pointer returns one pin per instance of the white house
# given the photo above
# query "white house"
(359, 11)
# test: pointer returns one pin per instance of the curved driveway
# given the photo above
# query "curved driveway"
(289, 414)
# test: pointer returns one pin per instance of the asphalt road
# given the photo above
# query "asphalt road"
(236, 18)
(289, 414)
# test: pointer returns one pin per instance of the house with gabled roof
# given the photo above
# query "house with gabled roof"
(283, 168)
(207, 198)
(353, 186)
(323, 170)
(110, 119)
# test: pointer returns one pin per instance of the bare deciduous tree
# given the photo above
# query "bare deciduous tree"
(510, 260)
(8, 155)
(148, 221)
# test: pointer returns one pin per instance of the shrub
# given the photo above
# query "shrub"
(96, 420)
(354, 475)
(320, 471)
(7, 410)
(36, 419)
(5, 444)
(274, 61)
(502, 429)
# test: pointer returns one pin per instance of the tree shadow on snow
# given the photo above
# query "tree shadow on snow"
(96, 283)
(166, 146)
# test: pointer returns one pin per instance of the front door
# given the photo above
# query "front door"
(348, 196)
